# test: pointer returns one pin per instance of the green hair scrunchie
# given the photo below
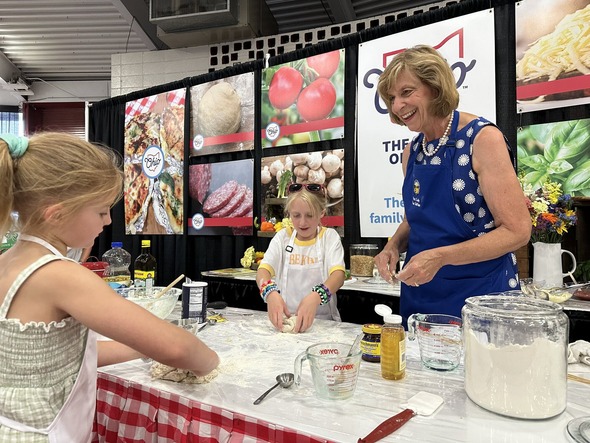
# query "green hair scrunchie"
(16, 145)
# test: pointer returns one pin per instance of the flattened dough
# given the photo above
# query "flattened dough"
(165, 372)
(289, 324)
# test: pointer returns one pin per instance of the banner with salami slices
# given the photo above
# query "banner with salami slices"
(222, 198)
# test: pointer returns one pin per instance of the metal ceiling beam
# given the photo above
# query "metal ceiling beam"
(137, 12)
(342, 10)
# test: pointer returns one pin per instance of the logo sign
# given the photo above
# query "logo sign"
(273, 130)
(467, 43)
(198, 142)
(198, 221)
(152, 161)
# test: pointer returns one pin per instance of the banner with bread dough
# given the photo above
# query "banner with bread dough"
(552, 54)
(154, 164)
(222, 115)
(222, 198)
(324, 168)
(467, 42)
(303, 101)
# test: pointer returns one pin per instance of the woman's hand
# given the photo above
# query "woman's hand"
(386, 262)
(421, 268)
(277, 309)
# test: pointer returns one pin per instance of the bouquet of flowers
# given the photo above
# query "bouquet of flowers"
(551, 212)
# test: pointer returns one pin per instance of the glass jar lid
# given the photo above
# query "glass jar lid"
(512, 306)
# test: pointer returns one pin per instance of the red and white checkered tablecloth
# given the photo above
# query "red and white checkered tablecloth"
(133, 413)
(140, 106)
(176, 97)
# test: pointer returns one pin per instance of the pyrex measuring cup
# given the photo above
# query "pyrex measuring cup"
(439, 337)
(334, 373)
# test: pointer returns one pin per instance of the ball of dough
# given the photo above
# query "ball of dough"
(289, 324)
(220, 110)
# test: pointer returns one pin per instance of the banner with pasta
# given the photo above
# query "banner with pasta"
(552, 54)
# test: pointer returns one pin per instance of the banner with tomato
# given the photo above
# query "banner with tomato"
(303, 101)
(467, 42)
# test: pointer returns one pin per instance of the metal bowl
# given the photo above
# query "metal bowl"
(161, 307)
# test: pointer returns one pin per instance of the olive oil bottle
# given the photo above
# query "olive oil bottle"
(144, 271)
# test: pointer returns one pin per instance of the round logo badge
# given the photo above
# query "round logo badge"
(273, 130)
(198, 142)
(152, 161)
(198, 221)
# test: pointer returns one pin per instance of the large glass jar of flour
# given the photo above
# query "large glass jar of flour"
(515, 351)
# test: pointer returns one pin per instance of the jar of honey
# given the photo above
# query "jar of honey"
(371, 343)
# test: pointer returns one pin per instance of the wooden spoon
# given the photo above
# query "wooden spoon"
(167, 288)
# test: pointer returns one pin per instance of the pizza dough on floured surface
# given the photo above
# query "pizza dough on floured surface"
(289, 324)
(165, 372)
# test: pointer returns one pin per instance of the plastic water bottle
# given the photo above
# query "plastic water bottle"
(117, 273)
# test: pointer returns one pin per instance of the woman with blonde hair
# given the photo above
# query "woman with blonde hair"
(464, 207)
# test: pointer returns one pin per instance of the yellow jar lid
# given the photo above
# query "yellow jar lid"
(372, 328)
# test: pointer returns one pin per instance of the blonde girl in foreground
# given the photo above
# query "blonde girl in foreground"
(51, 307)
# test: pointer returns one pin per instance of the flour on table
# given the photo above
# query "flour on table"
(289, 324)
(165, 372)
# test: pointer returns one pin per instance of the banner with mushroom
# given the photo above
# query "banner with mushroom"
(222, 115)
(303, 101)
(320, 167)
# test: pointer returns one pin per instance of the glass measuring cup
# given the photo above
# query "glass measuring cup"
(333, 371)
(439, 337)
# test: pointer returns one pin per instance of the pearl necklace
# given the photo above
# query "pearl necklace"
(441, 141)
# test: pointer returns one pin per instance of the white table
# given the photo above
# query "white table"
(252, 354)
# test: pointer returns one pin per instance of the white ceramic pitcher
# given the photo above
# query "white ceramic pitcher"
(547, 267)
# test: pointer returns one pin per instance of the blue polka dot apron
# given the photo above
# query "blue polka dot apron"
(429, 193)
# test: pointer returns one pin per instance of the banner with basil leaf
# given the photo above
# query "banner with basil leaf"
(559, 152)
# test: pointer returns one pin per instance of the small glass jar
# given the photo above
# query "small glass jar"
(515, 351)
(362, 259)
(371, 343)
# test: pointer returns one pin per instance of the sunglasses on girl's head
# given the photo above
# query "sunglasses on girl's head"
(311, 187)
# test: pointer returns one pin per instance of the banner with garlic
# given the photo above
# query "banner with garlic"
(320, 167)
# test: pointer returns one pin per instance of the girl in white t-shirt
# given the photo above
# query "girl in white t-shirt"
(303, 267)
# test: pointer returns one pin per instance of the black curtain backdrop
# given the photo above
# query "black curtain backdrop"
(190, 255)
